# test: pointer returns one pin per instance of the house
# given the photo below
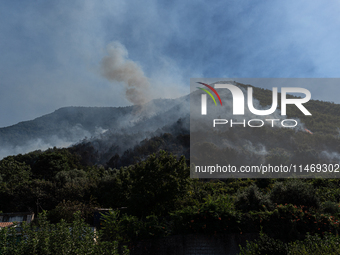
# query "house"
(9, 219)
(6, 224)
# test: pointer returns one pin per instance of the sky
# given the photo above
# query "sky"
(52, 52)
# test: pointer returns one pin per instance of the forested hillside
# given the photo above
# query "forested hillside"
(147, 174)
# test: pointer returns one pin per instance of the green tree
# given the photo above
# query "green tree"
(154, 185)
(13, 172)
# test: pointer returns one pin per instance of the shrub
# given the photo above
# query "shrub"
(315, 245)
(62, 238)
(215, 215)
(311, 245)
(264, 245)
(295, 192)
(66, 210)
(330, 207)
(127, 228)
(252, 199)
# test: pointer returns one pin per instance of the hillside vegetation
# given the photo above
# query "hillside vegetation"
(149, 187)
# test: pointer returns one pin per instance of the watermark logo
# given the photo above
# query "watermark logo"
(204, 97)
(239, 99)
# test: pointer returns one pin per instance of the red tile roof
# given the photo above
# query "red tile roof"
(6, 224)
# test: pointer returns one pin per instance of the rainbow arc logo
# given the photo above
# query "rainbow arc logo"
(208, 92)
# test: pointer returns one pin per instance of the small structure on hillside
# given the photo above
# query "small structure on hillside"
(9, 219)
(6, 224)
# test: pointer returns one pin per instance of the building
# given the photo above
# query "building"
(14, 219)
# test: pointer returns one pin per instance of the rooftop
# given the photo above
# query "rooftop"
(6, 224)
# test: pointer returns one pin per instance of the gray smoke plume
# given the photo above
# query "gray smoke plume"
(117, 67)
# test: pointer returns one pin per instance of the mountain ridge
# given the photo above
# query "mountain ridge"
(123, 128)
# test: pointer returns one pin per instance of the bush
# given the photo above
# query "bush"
(62, 238)
(66, 210)
(215, 215)
(311, 245)
(126, 228)
(315, 245)
(252, 199)
(330, 207)
(264, 245)
(295, 192)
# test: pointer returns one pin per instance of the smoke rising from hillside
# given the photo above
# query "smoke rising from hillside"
(33, 145)
(63, 139)
(118, 68)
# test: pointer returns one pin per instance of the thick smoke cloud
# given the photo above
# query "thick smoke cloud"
(117, 67)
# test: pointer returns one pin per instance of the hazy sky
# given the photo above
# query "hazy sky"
(51, 51)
